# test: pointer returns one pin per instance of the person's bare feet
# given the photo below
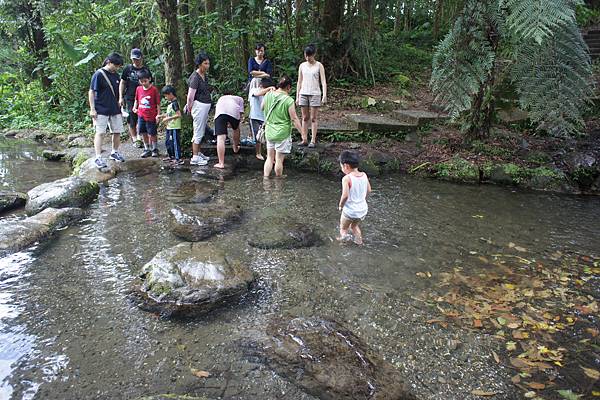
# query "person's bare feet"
(358, 242)
(219, 165)
(260, 157)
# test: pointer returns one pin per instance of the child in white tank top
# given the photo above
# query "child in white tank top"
(353, 202)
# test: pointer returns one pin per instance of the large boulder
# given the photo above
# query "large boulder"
(284, 233)
(89, 171)
(67, 192)
(17, 235)
(328, 361)
(195, 224)
(11, 200)
(53, 155)
(191, 279)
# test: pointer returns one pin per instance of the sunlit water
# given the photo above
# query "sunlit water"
(69, 330)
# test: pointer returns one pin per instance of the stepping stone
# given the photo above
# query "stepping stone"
(419, 117)
(11, 200)
(191, 279)
(53, 155)
(194, 192)
(283, 233)
(67, 192)
(378, 123)
(195, 224)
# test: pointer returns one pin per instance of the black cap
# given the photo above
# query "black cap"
(136, 54)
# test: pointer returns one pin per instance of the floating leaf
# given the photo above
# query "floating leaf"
(511, 346)
(530, 395)
(477, 323)
(478, 392)
(199, 373)
(501, 321)
(536, 385)
(496, 358)
(592, 373)
(569, 395)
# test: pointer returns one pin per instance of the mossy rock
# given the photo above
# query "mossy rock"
(67, 192)
(370, 167)
(457, 169)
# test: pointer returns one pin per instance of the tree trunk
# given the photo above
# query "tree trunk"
(188, 49)
(398, 16)
(299, 32)
(408, 5)
(331, 28)
(169, 28)
(439, 9)
(37, 41)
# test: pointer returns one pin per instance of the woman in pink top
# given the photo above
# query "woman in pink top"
(228, 113)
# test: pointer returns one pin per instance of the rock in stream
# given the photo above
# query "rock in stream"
(191, 279)
(330, 362)
(11, 200)
(284, 233)
(17, 235)
(195, 224)
(67, 192)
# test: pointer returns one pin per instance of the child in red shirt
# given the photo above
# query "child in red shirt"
(147, 107)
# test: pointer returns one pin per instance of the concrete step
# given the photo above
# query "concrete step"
(380, 123)
(419, 117)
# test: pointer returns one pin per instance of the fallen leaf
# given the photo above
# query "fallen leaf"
(513, 325)
(477, 323)
(569, 395)
(511, 346)
(199, 373)
(496, 358)
(592, 373)
(521, 249)
(536, 385)
(530, 395)
(478, 392)
(595, 393)
(515, 379)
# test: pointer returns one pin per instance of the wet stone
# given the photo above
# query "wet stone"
(17, 235)
(67, 192)
(209, 172)
(194, 192)
(53, 155)
(191, 279)
(328, 361)
(11, 200)
(284, 233)
(195, 224)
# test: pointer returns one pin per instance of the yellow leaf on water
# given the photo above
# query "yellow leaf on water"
(496, 358)
(478, 392)
(511, 346)
(592, 373)
(199, 373)
(596, 393)
(530, 395)
(536, 385)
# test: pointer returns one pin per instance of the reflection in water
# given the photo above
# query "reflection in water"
(65, 312)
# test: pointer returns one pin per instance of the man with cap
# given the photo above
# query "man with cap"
(127, 87)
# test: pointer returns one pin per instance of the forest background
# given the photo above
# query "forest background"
(50, 48)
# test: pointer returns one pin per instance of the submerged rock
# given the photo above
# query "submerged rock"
(11, 200)
(330, 362)
(284, 233)
(53, 155)
(16, 235)
(89, 171)
(194, 192)
(209, 172)
(199, 223)
(191, 279)
(67, 192)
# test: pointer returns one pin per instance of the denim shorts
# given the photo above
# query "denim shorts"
(148, 127)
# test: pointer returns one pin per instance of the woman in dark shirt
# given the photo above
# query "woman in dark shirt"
(259, 66)
(198, 104)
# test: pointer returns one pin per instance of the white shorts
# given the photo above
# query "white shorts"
(284, 147)
(113, 122)
(200, 116)
(309, 100)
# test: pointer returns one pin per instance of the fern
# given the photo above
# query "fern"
(538, 19)
(464, 59)
(554, 80)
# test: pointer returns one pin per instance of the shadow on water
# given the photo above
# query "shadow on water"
(69, 331)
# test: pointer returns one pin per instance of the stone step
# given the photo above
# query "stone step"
(419, 117)
(380, 123)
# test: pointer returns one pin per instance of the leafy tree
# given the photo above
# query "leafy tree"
(536, 45)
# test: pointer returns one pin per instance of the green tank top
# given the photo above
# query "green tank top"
(172, 109)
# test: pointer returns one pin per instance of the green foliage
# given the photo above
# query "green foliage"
(587, 16)
(539, 49)
(490, 149)
(538, 157)
(457, 169)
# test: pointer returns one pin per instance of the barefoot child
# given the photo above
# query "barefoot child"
(172, 119)
(353, 202)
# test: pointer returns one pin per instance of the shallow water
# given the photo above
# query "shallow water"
(69, 330)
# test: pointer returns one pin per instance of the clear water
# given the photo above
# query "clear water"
(69, 330)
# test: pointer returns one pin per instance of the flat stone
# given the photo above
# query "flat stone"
(80, 141)
(210, 172)
(11, 200)
(67, 192)
(53, 155)
(420, 117)
(191, 279)
(283, 233)
(328, 361)
(89, 171)
(377, 123)
(17, 235)
(194, 192)
(195, 224)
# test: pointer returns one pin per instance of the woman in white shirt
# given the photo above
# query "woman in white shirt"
(311, 78)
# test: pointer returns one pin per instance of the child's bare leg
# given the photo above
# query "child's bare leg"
(344, 225)
(355, 228)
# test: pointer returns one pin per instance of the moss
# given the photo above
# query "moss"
(538, 157)
(393, 165)
(89, 190)
(457, 169)
(370, 167)
(326, 166)
(584, 177)
(490, 150)
(159, 289)
(79, 159)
